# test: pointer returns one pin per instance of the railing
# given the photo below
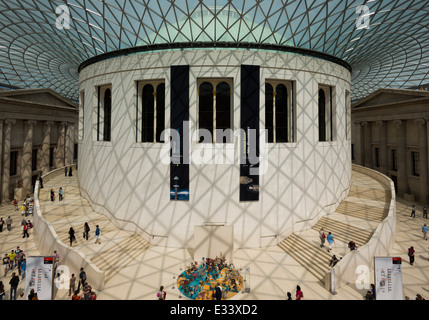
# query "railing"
(47, 240)
(380, 244)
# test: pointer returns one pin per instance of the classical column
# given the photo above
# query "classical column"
(402, 157)
(382, 133)
(6, 159)
(358, 144)
(367, 128)
(69, 141)
(27, 155)
(423, 154)
(44, 161)
(60, 154)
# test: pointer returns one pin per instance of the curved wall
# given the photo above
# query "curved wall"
(128, 181)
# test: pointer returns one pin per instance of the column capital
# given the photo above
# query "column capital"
(420, 121)
(398, 122)
(49, 123)
(9, 121)
(31, 122)
(380, 123)
(364, 123)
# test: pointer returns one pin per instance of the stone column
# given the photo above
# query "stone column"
(60, 154)
(403, 187)
(69, 144)
(358, 144)
(44, 161)
(382, 129)
(367, 128)
(6, 159)
(27, 155)
(423, 154)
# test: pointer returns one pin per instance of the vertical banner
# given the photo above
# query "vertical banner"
(388, 278)
(39, 276)
(249, 145)
(179, 165)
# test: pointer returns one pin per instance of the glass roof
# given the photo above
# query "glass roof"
(43, 42)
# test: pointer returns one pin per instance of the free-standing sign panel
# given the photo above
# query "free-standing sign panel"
(388, 278)
(39, 276)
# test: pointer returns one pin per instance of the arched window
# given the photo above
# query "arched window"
(214, 111)
(279, 112)
(151, 111)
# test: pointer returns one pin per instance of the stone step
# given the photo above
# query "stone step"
(343, 231)
(362, 211)
(314, 259)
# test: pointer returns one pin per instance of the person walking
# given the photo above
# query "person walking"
(14, 281)
(425, 211)
(425, 231)
(161, 293)
(322, 236)
(72, 284)
(1, 224)
(12, 256)
(331, 240)
(60, 194)
(299, 294)
(9, 223)
(70, 172)
(411, 254)
(82, 279)
(52, 195)
(413, 211)
(2, 292)
(25, 230)
(72, 236)
(23, 268)
(41, 182)
(218, 292)
(6, 264)
(97, 234)
(334, 261)
(86, 230)
(65, 171)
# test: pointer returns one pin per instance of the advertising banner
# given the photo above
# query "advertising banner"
(39, 276)
(388, 278)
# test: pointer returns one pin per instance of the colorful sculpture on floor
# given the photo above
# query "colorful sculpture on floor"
(199, 281)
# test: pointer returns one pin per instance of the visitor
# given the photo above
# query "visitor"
(14, 281)
(9, 223)
(25, 230)
(330, 239)
(82, 279)
(218, 292)
(65, 171)
(299, 294)
(1, 224)
(161, 293)
(52, 195)
(72, 236)
(334, 261)
(72, 284)
(97, 234)
(70, 172)
(31, 294)
(411, 253)
(23, 268)
(322, 236)
(289, 296)
(41, 182)
(425, 211)
(2, 292)
(86, 230)
(352, 245)
(5, 263)
(425, 231)
(413, 211)
(60, 194)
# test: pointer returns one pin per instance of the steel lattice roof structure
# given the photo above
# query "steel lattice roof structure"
(43, 42)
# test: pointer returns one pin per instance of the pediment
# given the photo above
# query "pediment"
(38, 96)
(389, 96)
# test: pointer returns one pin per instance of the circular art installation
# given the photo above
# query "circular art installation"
(198, 281)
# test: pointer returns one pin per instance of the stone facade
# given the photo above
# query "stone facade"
(390, 134)
(38, 130)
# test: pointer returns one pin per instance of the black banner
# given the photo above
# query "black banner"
(179, 165)
(249, 146)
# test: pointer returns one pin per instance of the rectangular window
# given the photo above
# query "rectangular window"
(279, 111)
(13, 163)
(75, 151)
(415, 162)
(215, 110)
(394, 160)
(51, 157)
(81, 115)
(34, 159)
(326, 113)
(104, 113)
(150, 119)
(353, 151)
(377, 157)
(348, 115)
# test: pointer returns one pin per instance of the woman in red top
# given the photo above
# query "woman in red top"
(299, 294)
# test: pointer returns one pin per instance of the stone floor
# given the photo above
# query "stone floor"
(272, 273)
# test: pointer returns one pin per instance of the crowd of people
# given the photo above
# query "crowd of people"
(211, 279)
